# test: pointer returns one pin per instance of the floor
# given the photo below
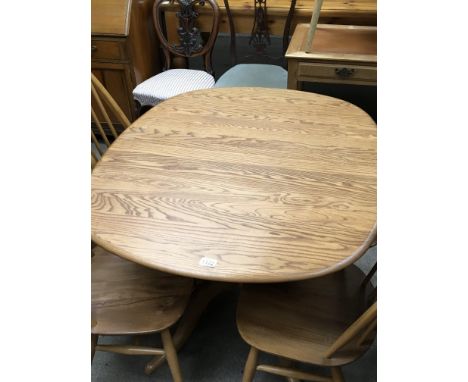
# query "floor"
(215, 351)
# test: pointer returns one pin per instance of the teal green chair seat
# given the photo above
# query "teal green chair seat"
(257, 75)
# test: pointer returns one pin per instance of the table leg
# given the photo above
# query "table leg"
(293, 83)
(200, 299)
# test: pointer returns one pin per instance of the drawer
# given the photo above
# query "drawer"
(107, 50)
(339, 73)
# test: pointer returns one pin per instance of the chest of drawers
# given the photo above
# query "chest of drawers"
(340, 54)
(124, 47)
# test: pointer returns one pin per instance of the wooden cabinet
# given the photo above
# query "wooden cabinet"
(124, 47)
(344, 54)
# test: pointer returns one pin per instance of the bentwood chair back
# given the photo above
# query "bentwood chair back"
(103, 134)
(172, 82)
(328, 321)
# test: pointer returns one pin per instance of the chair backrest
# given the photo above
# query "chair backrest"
(102, 104)
(259, 36)
(358, 336)
(361, 333)
(191, 42)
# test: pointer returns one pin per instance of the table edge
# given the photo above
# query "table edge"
(267, 278)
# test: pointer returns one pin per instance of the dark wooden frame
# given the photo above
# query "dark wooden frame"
(189, 35)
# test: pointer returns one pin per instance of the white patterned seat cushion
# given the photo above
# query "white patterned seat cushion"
(171, 83)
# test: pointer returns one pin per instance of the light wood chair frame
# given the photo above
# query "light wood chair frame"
(109, 109)
(103, 104)
(358, 337)
(168, 351)
(360, 334)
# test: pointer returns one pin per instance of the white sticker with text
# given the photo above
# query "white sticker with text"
(207, 262)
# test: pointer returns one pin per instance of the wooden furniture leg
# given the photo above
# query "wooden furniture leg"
(171, 355)
(337, 374)
(293, 83)
(200, 299)
(250, 365)
(94, 340)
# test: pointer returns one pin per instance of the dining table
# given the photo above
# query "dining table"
(240, 185)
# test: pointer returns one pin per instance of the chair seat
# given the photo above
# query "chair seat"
(170, 83)
(128, 298)
(256, 75)
(301, 320)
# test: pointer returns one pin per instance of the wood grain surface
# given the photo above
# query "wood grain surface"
(274, 184)
(129, 299)
(330, 8)
(110, 17)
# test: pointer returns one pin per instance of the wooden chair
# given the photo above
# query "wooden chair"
(172, 82)
(328, 321)
(257, 75)
(102, 104)
(127, 298)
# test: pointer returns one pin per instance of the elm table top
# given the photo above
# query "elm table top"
(274, 185)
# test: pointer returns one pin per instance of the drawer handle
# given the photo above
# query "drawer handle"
(93, 48)
(344, 72)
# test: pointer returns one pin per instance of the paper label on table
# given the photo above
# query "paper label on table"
(207, 262)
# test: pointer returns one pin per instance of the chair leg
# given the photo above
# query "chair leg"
(171, 355)
(250, 365)
(94, 340)
(337, 374)
(202, 295)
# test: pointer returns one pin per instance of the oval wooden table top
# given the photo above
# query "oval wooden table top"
(240, 185)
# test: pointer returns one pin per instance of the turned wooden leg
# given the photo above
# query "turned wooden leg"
(94, 340)
(171, 355)
(337, 374)
(250, 365)
(197, 305)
